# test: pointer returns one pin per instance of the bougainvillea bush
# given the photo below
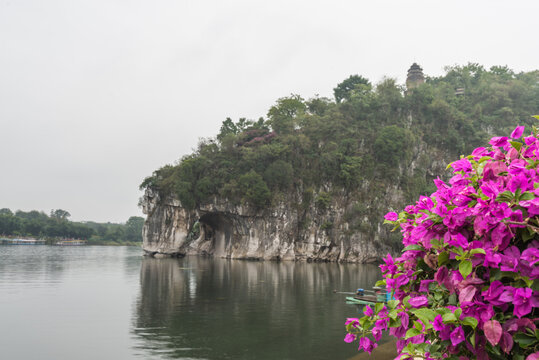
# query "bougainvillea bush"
(466, 284)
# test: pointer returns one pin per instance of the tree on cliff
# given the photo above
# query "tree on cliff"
(355, 83)
(282, 116)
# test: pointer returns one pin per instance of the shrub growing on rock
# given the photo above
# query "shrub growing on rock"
(466, 284)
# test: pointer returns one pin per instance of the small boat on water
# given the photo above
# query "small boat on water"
(376, 295)
(70, 242)
(359, 301)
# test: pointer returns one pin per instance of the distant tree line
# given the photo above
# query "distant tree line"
(57, 225)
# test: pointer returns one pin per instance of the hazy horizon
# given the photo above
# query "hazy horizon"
(96, 95)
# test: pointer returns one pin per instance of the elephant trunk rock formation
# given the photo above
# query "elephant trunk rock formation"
(231, 231)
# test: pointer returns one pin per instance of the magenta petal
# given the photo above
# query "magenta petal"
(368, 311)
(391, 216)
(534, 356)
(349, 338)
(457, 336)
(467, 294)
(493, 331)
(517, 132)
(499, 141)
(506, 342)
(418, 301)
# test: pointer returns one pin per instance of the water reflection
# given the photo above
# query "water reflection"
(228, 309)
(59, 302)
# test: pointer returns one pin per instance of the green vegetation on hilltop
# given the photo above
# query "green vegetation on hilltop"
(358, 145)
(56, 225)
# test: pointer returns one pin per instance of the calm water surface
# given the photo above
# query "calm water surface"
(111, 303)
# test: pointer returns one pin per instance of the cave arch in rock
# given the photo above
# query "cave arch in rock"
(216, 228)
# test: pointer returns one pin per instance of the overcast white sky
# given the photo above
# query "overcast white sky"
(95, 95)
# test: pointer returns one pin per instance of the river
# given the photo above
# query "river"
(98, 302)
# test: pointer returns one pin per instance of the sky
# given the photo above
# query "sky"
(95, 95)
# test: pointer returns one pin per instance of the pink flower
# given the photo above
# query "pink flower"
(517, 132)
(522, 301)
(478, 208)
(462, 165)
(499, 141)
(457, 336)
(366, 344)
(391, 216)
(376, 334)
(438, 323)
(368, 311)
(498, 294)
(424, 285)
(531, 255)
(349, 338)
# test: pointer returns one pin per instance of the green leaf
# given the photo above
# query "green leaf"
(524, 340)
(392, 303)
(527, 280)
(449, 317)
(470, 321)
(527, 234)
(406, 301)
(465, 268)
(363, 321)
(378, 307)
(535, 285)
(395, 323)
(424, 314)
(506, 196)
(443, 258)
(477, 251)
(380, 283)
(414, 247)
(411, 333)
(442, 311)
(484, 158)
(536, 116)
(517, 145)
(526, 196)
(436, 243)
(495, 274)
(458, 312)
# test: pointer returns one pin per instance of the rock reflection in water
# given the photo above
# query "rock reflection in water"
(231, 309)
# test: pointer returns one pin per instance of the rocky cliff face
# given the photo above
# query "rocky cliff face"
(239, 232)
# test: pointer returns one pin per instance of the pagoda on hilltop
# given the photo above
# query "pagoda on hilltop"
(415, 77)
